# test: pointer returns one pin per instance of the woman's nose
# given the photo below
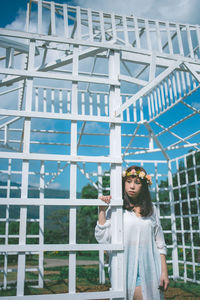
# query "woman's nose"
(132, 185)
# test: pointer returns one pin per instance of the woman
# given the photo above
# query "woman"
(144, 244)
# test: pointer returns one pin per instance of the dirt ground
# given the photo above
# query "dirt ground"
(172, 293)
(179, 294)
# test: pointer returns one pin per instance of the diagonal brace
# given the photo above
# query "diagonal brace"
(148, 87)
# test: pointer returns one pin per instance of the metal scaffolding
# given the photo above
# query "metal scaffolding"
(86, 93)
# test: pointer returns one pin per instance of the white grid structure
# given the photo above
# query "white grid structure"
(84, 93)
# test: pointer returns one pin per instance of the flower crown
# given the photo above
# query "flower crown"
(140, 174)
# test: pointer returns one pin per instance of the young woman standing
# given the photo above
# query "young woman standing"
(144, 244)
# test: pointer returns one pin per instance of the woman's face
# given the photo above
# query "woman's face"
(133, 187)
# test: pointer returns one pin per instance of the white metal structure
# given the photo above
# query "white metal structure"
(87, 92)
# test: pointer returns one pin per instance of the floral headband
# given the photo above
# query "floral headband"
(140, 174)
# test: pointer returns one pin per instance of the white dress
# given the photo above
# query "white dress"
(143, 244)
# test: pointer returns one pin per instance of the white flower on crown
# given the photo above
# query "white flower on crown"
(124, 173)
(142, 174)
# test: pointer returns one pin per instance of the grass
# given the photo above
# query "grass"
(190, 287)
(55, 281)
(87, 280)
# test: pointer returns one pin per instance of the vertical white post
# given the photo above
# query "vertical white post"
(137, 33)
(65, 17)
(149, 46)
(125, 29)
(53, 20)
(169, 38)
(158, 36)
(7, 227)
(41, 227)
(173, 223)
(39, 16)
(102, 26)
(25, 169)
(191, 51)
(117, 276)
(90, 24)
(190, 217)
(180, 43)
(73, 177)
(9, 57)
(181, 218)
(101, 252)
(78, 20)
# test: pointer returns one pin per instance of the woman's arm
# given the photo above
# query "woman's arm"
(102, 229)
(160, 242)
(164, 280)
(102, 209)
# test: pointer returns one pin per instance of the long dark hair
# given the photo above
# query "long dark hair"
(144, 198)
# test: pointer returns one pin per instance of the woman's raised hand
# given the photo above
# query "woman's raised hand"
(105, 199)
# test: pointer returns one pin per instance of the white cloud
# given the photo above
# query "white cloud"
(94, 127)
(19, 22)
(185, 11)
(196, 105)
(54, 185)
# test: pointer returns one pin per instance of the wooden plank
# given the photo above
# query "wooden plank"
(90, 25)
(102, 29)
(189, 39)
(65, 17)
(53, 20)
(137, 36)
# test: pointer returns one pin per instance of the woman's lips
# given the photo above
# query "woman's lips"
(131, 192)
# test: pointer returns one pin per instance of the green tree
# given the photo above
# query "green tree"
(87, 216)
(57, 230)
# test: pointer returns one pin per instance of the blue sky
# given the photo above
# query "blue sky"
(186, 11)
(12, 15)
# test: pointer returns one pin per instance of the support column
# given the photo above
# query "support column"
(173, 223)
(25, 170)
(101, 252)
(41, 227)
(117, 267)
(73, 176)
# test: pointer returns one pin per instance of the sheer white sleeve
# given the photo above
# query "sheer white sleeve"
(103, 232)
(158, 232)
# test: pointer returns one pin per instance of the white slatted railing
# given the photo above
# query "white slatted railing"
(175, 87)
(89, 25)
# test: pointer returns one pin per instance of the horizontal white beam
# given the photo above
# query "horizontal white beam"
(133, 80)
(161, 60)
(148, 161)
(34, 248)
(105, 45)
(56, 157)
(64, 61)
(58, 116)
(57, 202)
(75, 296)
(18, 46)
(69, 59)
(53, 75)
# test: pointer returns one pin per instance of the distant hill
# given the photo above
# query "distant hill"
(33, 211)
